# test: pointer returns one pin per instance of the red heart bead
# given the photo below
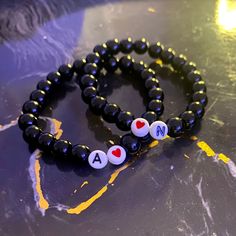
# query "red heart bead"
(139, 124)
(116, 152)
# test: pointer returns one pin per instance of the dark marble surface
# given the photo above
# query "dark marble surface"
(178, 187)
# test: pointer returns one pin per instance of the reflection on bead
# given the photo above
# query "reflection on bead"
(140, 127)
(45, 85)
(26, 120)
(150, 116)
(178, 62)
(66, 71)
(147, 74)
(124, 120)
(116, 155)
(94, 58)
(156, 106)
(126, 45)
(87, 81)
(194, 76)
(102, 50)
(138, 67)
(155, 50)
(62, 148)
(113, 46)
(189, 119)
(46, 141)
(152, 83)
(156, 93)
(110, 112)
(111, 64)
(201, 97)
(78, 66)
(126, 63)
(167, 55)
(197, 108)
(92, 69)
(97, 159)
(130, 143)
(80, 153)
(32, 107)
(141, 46)
(32, 133)
(89, 93)
(97, 104)
(54, 78)
(199, 86)
(158, 130)
(175, 127)
(188, 67)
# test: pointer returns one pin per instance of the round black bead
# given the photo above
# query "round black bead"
(138, 67)
(201, 97)
(32, 133)
(92, 69)
(175, 127)
(38, 96)
(89, 93)
(32, 107)
(94, 58)
(126, 45)
(156, 93)
(199, 86)
(141, 46)
(124, 120)
(194, 76)
(150, 116)
(102, 50)
(62, 148)
(66, 71)
(113, 46)
(152, 83)
(110, 112)
(45, 85)
(189, 119)
(54, 78)
(87, 81)
(197, 108)
(46, 141)
(167, 55)
(147, 74)
(188, 67)
(156, 106)
(178, 62)
(126, 63)
(26, 120)
(111, 64)
(97, 104)
(78, 66)
(80, 153)
(155, 50)
(130, 143)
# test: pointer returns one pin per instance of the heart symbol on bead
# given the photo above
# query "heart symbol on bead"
(116, 152)
(139, 124)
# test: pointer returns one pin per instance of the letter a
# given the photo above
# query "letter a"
(97, 158)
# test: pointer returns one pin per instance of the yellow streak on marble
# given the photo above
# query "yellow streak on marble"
(223, 158)
(159, 61)
(206, 148)
(153, 144)
(84, 183)
(194, 138)
(151, 9)
(185, 155)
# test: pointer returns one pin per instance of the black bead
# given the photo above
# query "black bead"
(111, 65)
(45, 85)
(62, 148)
(156, 93)
(110, 112)
(26, 120)
(97, 104)
(199, 86)
(88, 93)
(155, 50)
(126, 63)
(102, 50)
(138, 67)
(150, 116)
(152, 83)
(197, 108)
(113, 46)
(38, 96)
(32, 133)
(66, 72)
(87, 81)
(124, 120)
(80, 153)
(167, 55)
(32, 107)
(92, 69)
(194, 76)
(188, 67)
(175, 127)
(141, 46)
(178, 62)
(54, 78)
(201, 97)
(130, 143)
(126, 45)
(94, 58)
(147, 74)
(78, 66)
(46, 141)
(156, 106)
(189, 119)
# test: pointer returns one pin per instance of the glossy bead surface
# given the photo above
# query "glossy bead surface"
(201, 97)
(80, 153)
(111, 64)
(110, 112)
(89, 93)
(140, 127)
(78, 66)
(141, 46)
(199, 86)
(152, 83)
(32, 133)
(155, 50)
(92, 69)
(130, 143)
(197, 108)
(66, 71)
(147, 74)
(113, 46)
(97, 104)
(158, 130)
(38, 96)
(46, 141)
(167, 55)
(194, 76)
(26, 120)
(87, 81)
(116, 155)
(189, 119)
(126, 63)
(97, 159)
(150, 116)
(156, 93)
(138, 67)
(32, 107)
(62, 148)
(126, 45)
(54, 78)
(156, 106)
(188, 67)
(45, 85)
(94, 58)
(124, 120)
(102, 50)
(175, 127)
(178, 62)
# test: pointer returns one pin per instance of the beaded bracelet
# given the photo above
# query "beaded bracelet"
(33, 134)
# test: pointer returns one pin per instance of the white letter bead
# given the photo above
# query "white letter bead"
(140, 127)
(116, 155)
(98, 159)
(158, 130)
